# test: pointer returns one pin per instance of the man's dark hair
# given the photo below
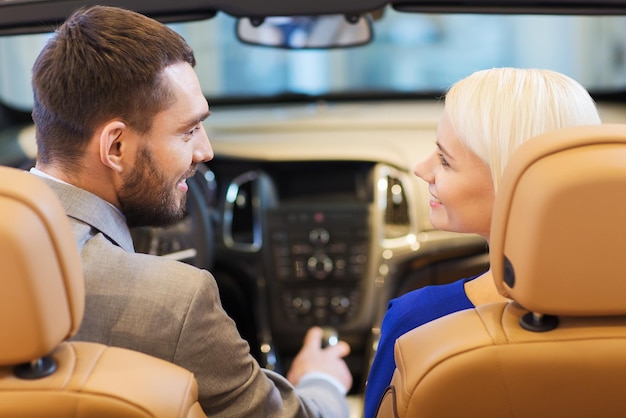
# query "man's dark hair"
(102, 63)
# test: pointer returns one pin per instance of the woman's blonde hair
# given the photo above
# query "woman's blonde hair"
(494, 111)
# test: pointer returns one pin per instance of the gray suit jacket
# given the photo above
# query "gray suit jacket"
(172, 310)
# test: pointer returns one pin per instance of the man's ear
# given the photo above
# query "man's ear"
(113, 144)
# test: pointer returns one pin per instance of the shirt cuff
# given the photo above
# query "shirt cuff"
(324, 376)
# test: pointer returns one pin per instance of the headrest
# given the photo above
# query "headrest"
(41, 289)
(559, 223)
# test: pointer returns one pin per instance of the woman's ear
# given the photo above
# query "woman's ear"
(113, 146)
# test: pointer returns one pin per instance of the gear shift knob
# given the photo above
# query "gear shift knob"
(329, 336)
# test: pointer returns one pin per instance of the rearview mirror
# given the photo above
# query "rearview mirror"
(306, 32)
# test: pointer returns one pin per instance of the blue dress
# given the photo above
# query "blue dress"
(405, 313)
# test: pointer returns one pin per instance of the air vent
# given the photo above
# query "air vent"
(397, 217)
(397, 207)
(242, 229)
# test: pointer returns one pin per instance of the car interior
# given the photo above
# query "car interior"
(310, 213)
(42, 304)
(556, 348)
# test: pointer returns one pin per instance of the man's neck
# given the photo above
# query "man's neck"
(39, 172)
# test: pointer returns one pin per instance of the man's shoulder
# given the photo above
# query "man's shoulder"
(102, 258)
(163, 265)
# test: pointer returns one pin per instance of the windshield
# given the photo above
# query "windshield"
(411, 54)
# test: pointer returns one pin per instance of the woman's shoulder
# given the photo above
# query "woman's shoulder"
(430, 302)
(432, 293)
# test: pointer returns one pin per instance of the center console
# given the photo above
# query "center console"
(312, 234)
(318, 257)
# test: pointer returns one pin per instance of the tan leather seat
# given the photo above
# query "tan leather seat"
(41, 306)
(558, 250)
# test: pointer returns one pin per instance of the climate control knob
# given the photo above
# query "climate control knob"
(301, 305)
(340, 304)
(319, 236)
(319, 266)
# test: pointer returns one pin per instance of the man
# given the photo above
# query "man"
(119, 118)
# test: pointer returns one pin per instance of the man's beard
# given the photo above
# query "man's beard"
(147, 197)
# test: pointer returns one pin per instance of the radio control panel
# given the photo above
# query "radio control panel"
(318, 258)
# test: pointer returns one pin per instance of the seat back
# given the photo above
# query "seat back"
(41, 306)
(557, 349)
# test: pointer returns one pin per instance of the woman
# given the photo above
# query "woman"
(486, 117)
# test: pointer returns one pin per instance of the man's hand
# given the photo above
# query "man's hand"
(313, 358)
